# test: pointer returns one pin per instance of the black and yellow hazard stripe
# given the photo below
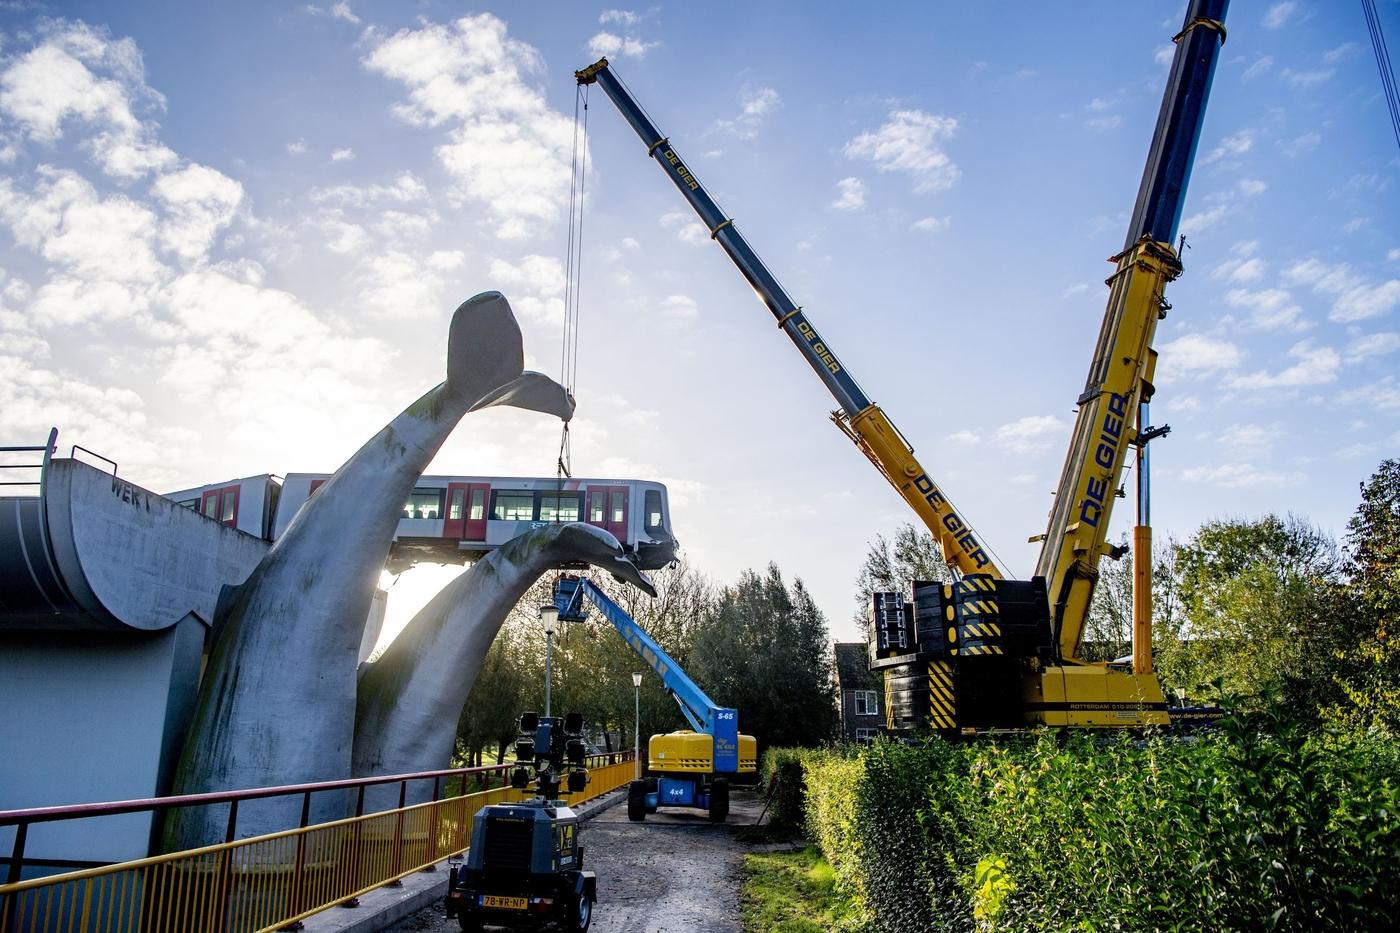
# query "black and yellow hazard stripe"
(942, 708)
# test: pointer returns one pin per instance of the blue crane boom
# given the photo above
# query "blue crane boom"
(719, 722)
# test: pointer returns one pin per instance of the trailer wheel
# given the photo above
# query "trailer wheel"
(580, 913)
(719, 801)
(637, 801)
(469, 922)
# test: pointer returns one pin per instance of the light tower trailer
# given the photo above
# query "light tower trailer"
(524, 869)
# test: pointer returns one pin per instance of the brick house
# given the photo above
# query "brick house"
(859, 693)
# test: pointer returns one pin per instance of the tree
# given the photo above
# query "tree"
(764, 650)
(1371, 679)
(1264, 611)
(1108, 630)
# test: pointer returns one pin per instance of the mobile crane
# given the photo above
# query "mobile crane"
(689, 768)
(988, 652)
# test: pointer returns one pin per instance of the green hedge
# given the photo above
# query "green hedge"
(785, 785)
(1260, 825)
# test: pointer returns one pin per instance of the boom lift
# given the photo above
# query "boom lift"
(690, 768)
(988, 652)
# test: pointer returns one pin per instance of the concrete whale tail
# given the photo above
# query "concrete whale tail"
(532, 391)
(486, 361)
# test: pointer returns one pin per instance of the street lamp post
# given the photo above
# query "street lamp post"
(549, 615)
(637, 721)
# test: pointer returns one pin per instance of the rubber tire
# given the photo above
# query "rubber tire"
(719, 801)
(470, 923)
(580, 914)
(637, 801)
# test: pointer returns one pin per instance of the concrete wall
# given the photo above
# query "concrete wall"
(87, 717)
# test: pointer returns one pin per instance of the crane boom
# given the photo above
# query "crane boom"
(1120, 375)
(863, 422)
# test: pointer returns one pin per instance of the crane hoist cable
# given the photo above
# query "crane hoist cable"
(1388, 86)
(573, 265)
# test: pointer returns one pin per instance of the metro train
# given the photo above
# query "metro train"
(455, 519)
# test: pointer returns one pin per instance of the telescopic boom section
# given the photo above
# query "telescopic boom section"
(863, 422)
(1121, 373)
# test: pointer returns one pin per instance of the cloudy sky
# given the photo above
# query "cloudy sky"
(231, 237)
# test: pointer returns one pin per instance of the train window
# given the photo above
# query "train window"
(454, 511)
(595, 508)
(424, 503)
(230, 499)
(619, 505)
(478, 510)
(559, 508)
(211, 506)
(653, 510)
(514, 507)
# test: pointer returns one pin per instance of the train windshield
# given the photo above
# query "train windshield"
(653, 511)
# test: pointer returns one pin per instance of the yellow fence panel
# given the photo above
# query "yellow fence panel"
(265, 882)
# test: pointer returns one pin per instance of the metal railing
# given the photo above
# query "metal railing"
(47, 451)
(264, 882)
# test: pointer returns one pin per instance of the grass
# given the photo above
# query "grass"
(790, 892)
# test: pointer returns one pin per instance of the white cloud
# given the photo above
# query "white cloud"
(402, 287)
(963, 437)
(909, 142)
(1307, 79)
(1236, 144)
(341, 236)
(1195, 355)
(610, 45)
(1269, 308)
(1301, 144)
(1164, 55)
(405, 189)
(625, 17)
(53, 86)
(1251, 437)
(342, 155)
(1393, 255)
(1240, 476)
(506, 149)
(930, 224)
(1030, 434)
(755, 104)
(1249, 187)
(200, 202)
(1260, 66)
(1341, 53)
(1369, 345)
(1279, 14)
(850, 194)
(1354, 298)
(339, 11)
(1103, 124)
(680, 307)
(1203, 220)
(1315, 366)
(1383, 394)
(687, 228)
(1240, 269)
(296, 146)
(1078, 288)
(543, 275)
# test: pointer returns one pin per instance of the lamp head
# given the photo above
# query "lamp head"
(549, 615)
(637, 679)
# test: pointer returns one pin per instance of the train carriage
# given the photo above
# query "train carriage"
(455, 519)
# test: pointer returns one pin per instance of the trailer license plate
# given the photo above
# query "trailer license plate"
(505, 903)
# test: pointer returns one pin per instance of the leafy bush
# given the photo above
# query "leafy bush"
(785, 785)
(1259, 825)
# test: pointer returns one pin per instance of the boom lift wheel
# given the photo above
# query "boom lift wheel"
(719, 800)
(637, 801)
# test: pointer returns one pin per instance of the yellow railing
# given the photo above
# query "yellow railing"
(264, 882)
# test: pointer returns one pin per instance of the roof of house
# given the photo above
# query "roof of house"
(853, 666)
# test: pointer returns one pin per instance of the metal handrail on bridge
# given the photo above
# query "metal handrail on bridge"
(47, 450)
(263, 882)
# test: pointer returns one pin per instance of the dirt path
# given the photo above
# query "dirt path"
(674, 873)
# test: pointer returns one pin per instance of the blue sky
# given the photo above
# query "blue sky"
(231, 237)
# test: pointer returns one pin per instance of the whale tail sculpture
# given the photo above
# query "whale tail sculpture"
(277, 703)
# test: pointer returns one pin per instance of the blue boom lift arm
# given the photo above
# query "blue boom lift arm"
(705, 716)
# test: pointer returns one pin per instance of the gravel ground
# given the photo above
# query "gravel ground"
(676, 872)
